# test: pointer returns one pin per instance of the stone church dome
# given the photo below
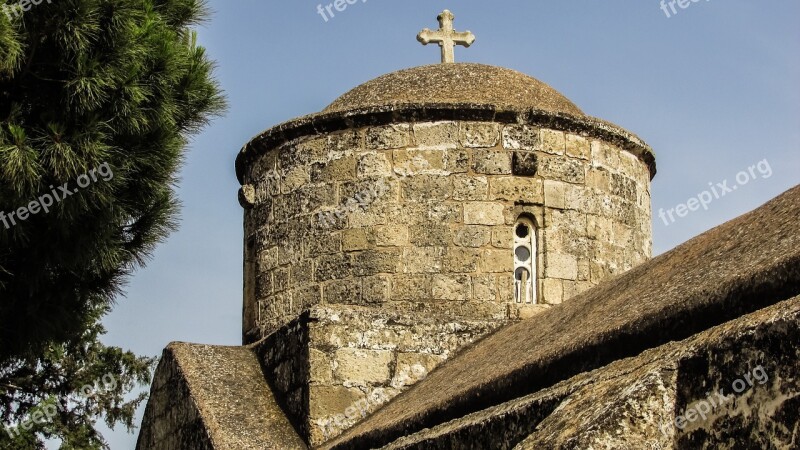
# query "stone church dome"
(462, 83)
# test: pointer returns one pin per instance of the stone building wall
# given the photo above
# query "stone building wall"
(360, 358)
(419, 217)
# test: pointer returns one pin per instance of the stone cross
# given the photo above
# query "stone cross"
(446, 37)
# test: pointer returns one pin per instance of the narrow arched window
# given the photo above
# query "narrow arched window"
(524, 261)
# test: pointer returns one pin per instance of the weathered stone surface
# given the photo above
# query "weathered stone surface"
(423, 188)
(190, 403)
(553, 141)
(479, 134)
(363, 366)
(561, 266)
(474, 236)
(578, 147)
(437, 135)
(524, 164)
(757, 265)
(636, 403)
(388, 137)
(470, 188)
(483, 213)
(521, 137)
(491, 162)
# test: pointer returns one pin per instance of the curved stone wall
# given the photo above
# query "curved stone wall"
(419, 217)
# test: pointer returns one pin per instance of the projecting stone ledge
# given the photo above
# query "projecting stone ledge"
(636, 402)
(209, 397)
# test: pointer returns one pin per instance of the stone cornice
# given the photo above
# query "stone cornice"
(324, 123)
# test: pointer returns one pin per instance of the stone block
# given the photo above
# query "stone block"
(624, 187)
(347, 140)
(503, 237)
(301, 273)
(280, 279)
(331, 400)
(427, 187)
(555, 194)
(315, 196)
(524, 163)
(552, 141)
(388, 137)
(456, 161)
(466, 187)
(484, 287)
(606, 155)
(430, 234)
(516, 189)
(473, 236)
(578, 147)
(341, 169)
(504, 284)
(342, 292)
(483, 213)
(562, 169)
(552, 291)
(391, 235)
(305, 297)
(495, 261)
(444, 212)
(412, 161)
(479, 134)
(373, 262)
(598, 178)
(363, 367)
(376, 289)
(354, 239)
(411, 287)
(423, 259)
(413, 367)
(561, 266)
(373, 165)
(451, 287)
(332, 267)
(521, 137)
(491, 162)
(320, 364)
(437, 135)
(294, 179)
(462, 260)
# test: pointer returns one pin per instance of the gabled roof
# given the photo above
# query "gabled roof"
(739, 267)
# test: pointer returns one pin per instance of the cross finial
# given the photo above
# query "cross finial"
(446, 37)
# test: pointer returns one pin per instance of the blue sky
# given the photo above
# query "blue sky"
(714, 89)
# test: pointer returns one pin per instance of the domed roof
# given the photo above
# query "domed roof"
(456, 83)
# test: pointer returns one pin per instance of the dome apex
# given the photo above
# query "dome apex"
(456, 83)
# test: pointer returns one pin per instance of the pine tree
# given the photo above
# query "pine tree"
(98, 99)
(104, 91)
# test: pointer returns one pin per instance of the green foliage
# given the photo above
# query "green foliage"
(86, 84)
(83, 83)
(59, 394)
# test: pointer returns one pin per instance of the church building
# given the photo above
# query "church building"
(457, 256)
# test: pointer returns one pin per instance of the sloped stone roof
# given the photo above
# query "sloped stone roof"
(206, 396)
(739, 267)
(638, 398)
(461, 83)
